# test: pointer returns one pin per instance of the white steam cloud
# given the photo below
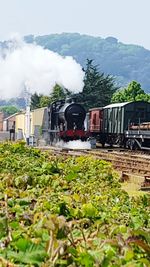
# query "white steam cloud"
(38, 69)
(76, 144)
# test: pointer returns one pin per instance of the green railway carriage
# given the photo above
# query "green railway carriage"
(118, 117)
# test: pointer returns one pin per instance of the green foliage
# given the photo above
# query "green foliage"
(59, 93)
(57, 211)
(27, 253)
(98, 88)
(39, 101)
(9, 110)
(35, 101)
(44, 101)
(133, 92)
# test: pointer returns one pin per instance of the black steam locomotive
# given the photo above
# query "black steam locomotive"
(66, 121)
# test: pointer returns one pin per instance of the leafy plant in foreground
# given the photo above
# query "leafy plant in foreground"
(68, 212)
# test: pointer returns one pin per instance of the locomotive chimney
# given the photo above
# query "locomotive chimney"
(70, 100)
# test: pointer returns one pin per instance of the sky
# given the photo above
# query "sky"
(127, 20)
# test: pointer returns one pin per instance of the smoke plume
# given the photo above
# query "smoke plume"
(76, 144)
(31, 66)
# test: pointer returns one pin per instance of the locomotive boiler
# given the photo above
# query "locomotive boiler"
(66, 121)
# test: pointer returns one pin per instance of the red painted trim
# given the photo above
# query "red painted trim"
(74, 133)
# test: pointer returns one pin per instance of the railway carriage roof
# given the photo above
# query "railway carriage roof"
(116, 105)
(97, 108)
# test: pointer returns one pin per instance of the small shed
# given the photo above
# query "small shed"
(9, 122)
(39, 122)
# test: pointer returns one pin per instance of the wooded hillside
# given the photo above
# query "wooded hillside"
(127, 62)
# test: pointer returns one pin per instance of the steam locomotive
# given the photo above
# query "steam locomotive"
(124, 124)
(66, 121)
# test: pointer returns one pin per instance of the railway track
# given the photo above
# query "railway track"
(128, 162)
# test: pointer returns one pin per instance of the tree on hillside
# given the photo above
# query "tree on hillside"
(98, 88)
(9, 110)
(133, 92)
